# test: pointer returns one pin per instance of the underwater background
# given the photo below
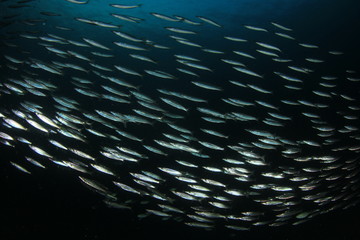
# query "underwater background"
(52, 202)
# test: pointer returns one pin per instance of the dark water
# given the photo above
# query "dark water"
(52, 202)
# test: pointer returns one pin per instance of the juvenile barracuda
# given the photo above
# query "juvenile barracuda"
(47, 120)
(122, 6)
(244, 54)
(164, 17)
(268, 46)
(281, 26)
(127, 36)
(206, 86)
(127, 70)
(259, 29)
(129, 46)
(95, 44)
(248, 72)
(179, 30)
(186, 42)
(160, 74)
(78, 1)
(14, 123)
(195, 65)
(143, 58)
(126, 18)
(174, 104)
(209, 21)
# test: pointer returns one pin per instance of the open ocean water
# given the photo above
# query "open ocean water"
(199, 119)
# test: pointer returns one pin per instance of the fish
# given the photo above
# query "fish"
(143, 58)
(127, 18)
(195, 118)
(284, 35)
(174, 104)
(281, 26)
(244, 54)
(195, 65)
(207, 20)
(259, 29)
(164, 17)
(248, 72)
(123, 6)
(189, 43)
(95, 44)
(127, 70)
(178, 30)
(207, 86)
(78, 1)
(235, 39)
(97, 23)
(127, 36)
(129, 46)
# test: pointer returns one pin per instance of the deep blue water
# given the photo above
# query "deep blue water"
(51, 201)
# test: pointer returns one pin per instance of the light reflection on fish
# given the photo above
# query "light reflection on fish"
(211, 137)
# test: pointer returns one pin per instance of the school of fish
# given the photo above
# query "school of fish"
(252, 127)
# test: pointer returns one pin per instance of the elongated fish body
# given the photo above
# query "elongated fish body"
(96, 44)
(184, 113)
(122, 6)
(248, 72)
